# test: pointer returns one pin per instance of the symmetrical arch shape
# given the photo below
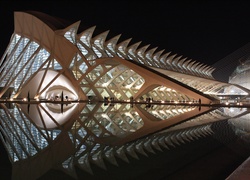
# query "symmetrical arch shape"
(45, 52)
(90, 134)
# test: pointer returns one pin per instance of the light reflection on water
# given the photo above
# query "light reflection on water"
(44, 136)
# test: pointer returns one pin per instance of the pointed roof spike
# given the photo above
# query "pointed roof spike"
(100, 39)
(148, 146)
(121, 154)
(197, 62)
(199, 67)
(86, 35)
(150, 52)
(149, 56)
(139, 148)
(165, 55)
(185, 64)
(203, 67)
(203, 70)
(87, 31)
(123, 45)
(156, 58)
(133, 47)
(200, 70)
(141, 51)
(211, 70)
(70, 32)
(180, 63)
(170, 59)
(176, 60)
(109, 155)
(74, 25)
(206, 71)
(98, 160)
(86, 165)
(130, 149)
(193, 67)
(163, 58)
(206, 68)
(189, 66)
(112, 42)
(157, 55)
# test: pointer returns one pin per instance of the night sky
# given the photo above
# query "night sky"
(200, 30)
(205, 31)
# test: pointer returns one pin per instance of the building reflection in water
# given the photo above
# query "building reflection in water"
(43, 136)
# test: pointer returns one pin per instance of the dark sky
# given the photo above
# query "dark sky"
(201, 30)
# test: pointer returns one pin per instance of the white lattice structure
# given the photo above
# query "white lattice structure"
(39, 137)
(240, 76)
(46, 57)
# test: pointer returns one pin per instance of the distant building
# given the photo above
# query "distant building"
(226, 66)
(240, 76)
(47, 57)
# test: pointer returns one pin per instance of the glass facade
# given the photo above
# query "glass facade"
(63, 65)
(83, 66)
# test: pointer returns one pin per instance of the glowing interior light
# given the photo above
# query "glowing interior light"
(51, 89)
(154, 112)
(127, 113)
(104, 116)
(162, 88)
(104, 84)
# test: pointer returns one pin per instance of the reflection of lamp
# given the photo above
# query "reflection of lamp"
(56, 107)
(48, 115)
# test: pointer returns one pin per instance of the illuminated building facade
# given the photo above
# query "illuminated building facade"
(46, 57)
(39, 138)
(240, 75)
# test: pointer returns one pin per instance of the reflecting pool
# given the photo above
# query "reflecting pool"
(123, 140)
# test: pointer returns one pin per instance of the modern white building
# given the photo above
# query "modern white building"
(47, 57)
(240, 76)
